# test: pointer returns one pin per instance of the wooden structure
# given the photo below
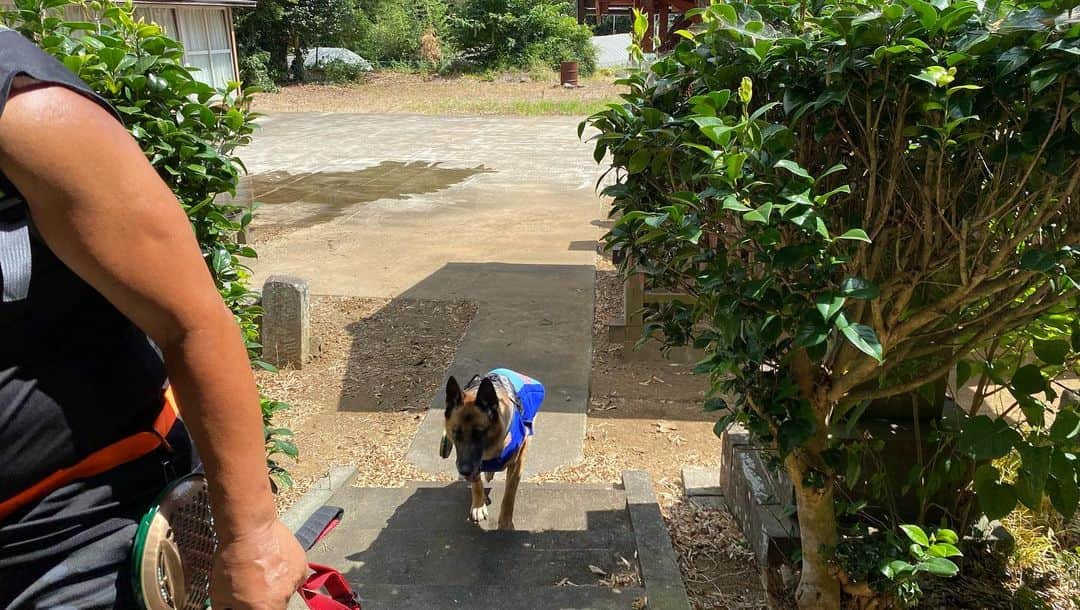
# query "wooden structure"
(665, 17)
(637, 295)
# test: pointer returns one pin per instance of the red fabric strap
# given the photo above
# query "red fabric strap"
(338, 595)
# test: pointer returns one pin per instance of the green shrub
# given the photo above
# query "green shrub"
(255, 71)
(190, 133)
(390, 32)
(391, 36)
(498, 34)
(340, 72)
(866, 199)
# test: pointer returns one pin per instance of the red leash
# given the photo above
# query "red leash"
(325, 588)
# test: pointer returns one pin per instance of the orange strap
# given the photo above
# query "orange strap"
(121, 452)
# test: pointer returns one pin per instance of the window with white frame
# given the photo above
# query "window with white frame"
(165, 18)
(205, 35)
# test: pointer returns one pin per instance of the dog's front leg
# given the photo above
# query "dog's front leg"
(478, 511)
(513, 477)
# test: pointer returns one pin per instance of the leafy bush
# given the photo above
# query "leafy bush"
(886, 564)
(255, 71)
(189, 131)
(865, 199)
(496, 34)
(391, 32)
(337, 71)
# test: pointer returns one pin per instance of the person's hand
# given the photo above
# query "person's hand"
(259, 570)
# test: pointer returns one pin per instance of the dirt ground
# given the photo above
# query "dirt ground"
(393, 92)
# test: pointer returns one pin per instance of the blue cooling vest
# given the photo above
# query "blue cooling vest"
(527, 393)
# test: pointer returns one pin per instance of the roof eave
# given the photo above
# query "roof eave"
(231, 3)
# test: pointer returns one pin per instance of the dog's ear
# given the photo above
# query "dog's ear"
(454, 396)
(487, 399)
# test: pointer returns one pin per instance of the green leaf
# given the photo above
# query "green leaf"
(1034, 410)
(995, 499)
(963, 372)
(859, 288)
(938, 566)
(721, 426)
(639, 160)
(811, 332)
(1028, 380)
(861, 336)
(896, 568)
(1066, 426)
(928, 15)
(828, 305)
(956, 15)
(937, 76)
(727, 12)
(1010, 61)
(731, 203)
(916, 534)
(855, 235)
(641, 24)
(715, 404)
(735, 166)
(984, 438)
(794, 168)
(1064, 496)
(746, 90)
(760, 215)
(1034, 471)
(1037, 260)
(1053, 351)
(946, 535)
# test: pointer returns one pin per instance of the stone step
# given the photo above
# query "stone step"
(412, 547)
(446, 506)
(388, 560)
(420, 533)
(497, 596)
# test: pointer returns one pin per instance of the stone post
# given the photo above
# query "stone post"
(286, 322)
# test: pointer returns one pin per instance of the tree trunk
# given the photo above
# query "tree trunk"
(818, 586)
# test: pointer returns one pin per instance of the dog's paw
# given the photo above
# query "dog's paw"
(476, 515)
(507, 526)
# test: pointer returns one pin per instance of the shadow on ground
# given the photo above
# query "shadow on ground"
(416, 549)
(538, 307)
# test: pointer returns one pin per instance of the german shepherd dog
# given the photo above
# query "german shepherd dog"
(479, 422)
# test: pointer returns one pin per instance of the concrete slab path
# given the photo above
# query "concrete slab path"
(412, 547)
(493, 210)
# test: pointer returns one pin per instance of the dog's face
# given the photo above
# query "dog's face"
(473, 425)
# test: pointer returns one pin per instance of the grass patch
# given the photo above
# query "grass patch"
(530, 93)
(1045, 561)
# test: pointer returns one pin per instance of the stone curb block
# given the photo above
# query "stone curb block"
(317, 496)
(660, 573)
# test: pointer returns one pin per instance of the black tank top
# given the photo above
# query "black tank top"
(75, 374)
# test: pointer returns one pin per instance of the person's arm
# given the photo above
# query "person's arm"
(104, 211)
